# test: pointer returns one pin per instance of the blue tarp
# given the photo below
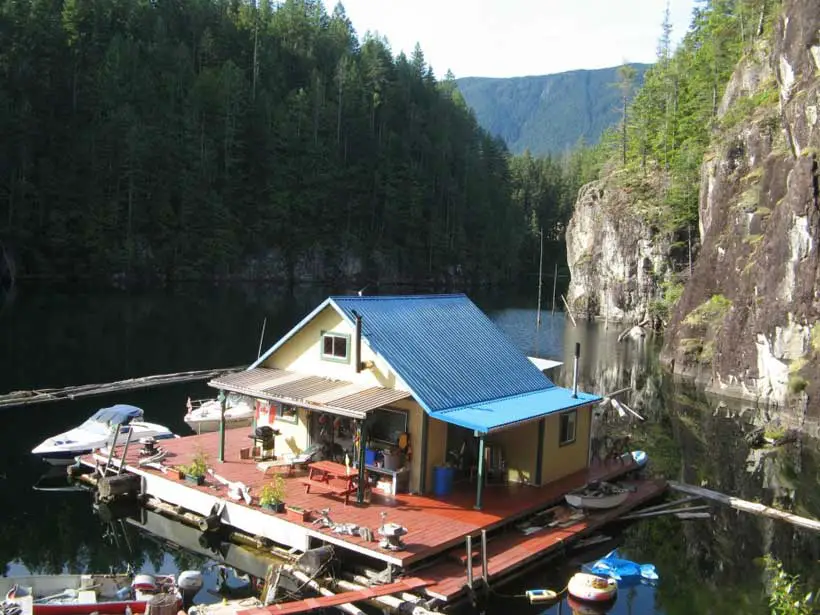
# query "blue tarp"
(120, 414)
(624, 571)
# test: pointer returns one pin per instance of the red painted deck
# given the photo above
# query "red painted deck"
(434, 525)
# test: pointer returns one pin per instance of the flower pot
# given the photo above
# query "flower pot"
(196, 480)
(297, 513)
(277, 507)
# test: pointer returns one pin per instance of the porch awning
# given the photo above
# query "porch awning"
(498, 414)
(323, 394)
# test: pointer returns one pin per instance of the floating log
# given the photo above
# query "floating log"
(693, 515)
(120, 484)
(346, 607)
(398, 604)
(671, 504)
(39, 396)
(745, 506)
(659, 513)
(566, 305)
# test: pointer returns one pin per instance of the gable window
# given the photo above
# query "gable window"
(335, 346)
(566, 433)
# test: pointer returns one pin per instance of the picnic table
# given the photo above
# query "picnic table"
(331, 477)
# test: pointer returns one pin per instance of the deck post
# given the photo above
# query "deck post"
(361, 463)
(480, 475)
(539, 455)
(425, 425)
(222, 400)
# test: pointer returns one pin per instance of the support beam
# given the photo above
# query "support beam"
(539, 455)
(479, 494)
(425, 426)
(361, 462)
(222, 401)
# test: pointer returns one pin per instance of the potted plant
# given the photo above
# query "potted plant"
(195, 471)
(272, 495)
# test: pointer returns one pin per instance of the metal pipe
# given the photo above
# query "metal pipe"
(358, 343)
(469, 561)
(479, 494)
(222, 402)
(575, 369)
(484, 570)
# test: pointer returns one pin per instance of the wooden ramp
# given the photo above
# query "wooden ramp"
(313, 604)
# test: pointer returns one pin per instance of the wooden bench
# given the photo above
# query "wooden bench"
(339, 488)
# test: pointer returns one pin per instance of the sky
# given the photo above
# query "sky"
(508, 38)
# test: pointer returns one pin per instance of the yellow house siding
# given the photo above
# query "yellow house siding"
(560, 461)
(519, 446)
(415, 418)
(293, 436)
(302, 353)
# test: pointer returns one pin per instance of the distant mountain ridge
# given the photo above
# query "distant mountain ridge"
(547, 113)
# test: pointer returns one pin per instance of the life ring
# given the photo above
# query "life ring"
(592, 588)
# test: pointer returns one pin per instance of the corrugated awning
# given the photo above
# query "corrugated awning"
(324, 394)
(498, 414)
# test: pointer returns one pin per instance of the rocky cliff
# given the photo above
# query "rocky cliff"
(747, 322)
(618, 259)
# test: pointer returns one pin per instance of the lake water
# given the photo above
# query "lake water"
(50, 339)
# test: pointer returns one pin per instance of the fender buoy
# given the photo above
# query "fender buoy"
(592, 588)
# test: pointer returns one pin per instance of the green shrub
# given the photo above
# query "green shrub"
(797, 384)
(785, 594)
(709, 313)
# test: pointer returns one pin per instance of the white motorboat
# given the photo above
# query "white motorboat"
(100, 431)
(203, 415)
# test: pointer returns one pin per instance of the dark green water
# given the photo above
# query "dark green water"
(49, 338)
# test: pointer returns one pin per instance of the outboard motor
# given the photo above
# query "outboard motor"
(189, 583)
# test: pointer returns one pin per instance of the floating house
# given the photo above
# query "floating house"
(423, 382)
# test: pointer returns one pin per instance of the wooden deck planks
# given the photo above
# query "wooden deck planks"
(434, 524)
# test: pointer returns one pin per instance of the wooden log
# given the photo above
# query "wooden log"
(751, 507)
(301, 576)
(671, 504)
(693, 515)
(119, 484)
(566, 305)
(38, 396)
(393, 602)
(660, 513)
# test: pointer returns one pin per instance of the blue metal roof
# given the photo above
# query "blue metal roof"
(446, 349)
(502, 413)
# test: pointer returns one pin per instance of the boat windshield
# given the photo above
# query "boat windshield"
(104, 419)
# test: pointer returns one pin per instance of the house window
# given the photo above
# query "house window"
(335, 347)
(287, 413)
(567, 429)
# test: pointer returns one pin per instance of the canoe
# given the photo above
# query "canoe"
(592, 588)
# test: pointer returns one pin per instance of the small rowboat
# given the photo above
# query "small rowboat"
(599, 496)
(592, 588)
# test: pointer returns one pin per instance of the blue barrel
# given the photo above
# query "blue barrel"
(443, 480)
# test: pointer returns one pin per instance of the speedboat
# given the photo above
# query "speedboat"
(106, 425)
(204, 415)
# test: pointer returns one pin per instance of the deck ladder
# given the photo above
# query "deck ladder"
(484, 572)
(113, 445)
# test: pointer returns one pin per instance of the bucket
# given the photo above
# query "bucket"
(443, 480)
(391, 461)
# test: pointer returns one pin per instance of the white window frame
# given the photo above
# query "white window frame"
(333, 357)
(570, 417)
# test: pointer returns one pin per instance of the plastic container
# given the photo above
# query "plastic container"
(392, 461)
(443, 480)
(369, 457)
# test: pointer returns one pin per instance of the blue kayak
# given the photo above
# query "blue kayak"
(624, 571)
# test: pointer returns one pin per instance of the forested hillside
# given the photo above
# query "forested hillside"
(218, 138)
(549, 114)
